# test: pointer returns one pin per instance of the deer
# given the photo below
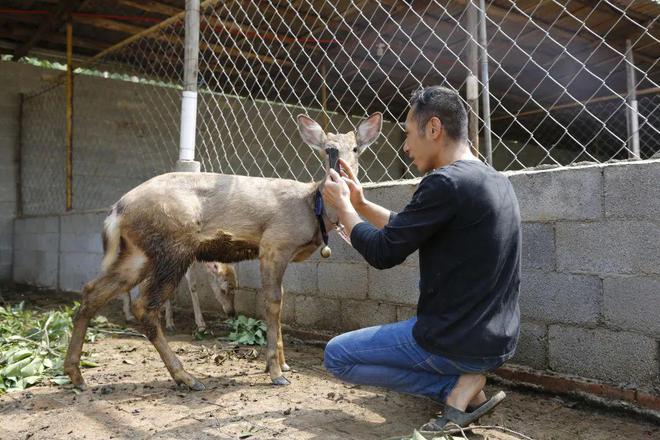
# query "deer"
(222, 280)
(154, 232)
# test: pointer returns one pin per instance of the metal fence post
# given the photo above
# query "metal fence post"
(186, 160)
(485, 91)
(632, 114)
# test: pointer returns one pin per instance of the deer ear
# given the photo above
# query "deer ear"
(311, 132)
(368, 131)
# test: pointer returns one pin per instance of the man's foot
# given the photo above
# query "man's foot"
(478, 400)
(469, 388)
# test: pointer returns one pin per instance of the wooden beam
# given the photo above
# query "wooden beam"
(151, 6)
(50, 23)
(105, 23)
(21, 33)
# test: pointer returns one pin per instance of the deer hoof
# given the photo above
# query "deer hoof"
(285, 367)
(281, 381)
(197, 386)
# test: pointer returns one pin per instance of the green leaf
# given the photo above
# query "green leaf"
(88, 364)
(60, 380)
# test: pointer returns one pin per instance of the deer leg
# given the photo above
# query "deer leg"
(273, 265)
(126, 299)
(169, 319)
(280, 350)
(95, 294)
(192, 288)
(147, 311)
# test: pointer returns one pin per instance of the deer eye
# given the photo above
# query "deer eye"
(355, 150)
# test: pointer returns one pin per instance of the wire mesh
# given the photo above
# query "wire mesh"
(43, 151)
(557, 74)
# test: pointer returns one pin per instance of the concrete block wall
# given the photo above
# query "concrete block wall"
(58, 252)
(14, 79)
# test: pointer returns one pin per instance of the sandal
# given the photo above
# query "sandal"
(462, 418)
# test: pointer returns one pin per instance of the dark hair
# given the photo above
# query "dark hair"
(443, 103)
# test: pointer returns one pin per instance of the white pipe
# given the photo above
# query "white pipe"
(188, 124)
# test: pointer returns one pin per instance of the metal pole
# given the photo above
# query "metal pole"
(485, 92)
(69, 115)
(18, 159)
(632, 114)
(471, 81)
(186, 160)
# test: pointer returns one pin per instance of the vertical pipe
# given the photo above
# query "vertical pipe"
(189, 95)
(472, 84)
(632, 114)
(18, 158)
(69, 115)
(485, 93)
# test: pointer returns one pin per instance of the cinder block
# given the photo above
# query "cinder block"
(82, 242)
(37, 242)
(559, 194)
(5, 272)
(399, 284)
(360, 314)
(6, 254)
(287, 312)
(38, 268)
(245, 302)
(37, 225)
(391, 195)
(249, 276)
(633, 303)
(603, 354)
(631, 190)
(78, 268)
(404, 313)
(87, 223)
(560, 297)
(625, 247)
(317, 313)
(538, 246)
(532, 349)
(300, 278)
(342, 252)
(343, 280)
(8, 209)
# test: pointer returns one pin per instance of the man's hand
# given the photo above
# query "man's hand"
(336, 192)
(357, 194)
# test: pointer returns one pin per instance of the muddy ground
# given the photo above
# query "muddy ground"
(131, 396)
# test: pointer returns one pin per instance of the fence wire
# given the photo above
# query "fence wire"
(557, 77)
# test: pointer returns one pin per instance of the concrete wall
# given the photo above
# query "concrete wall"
(14, 79)
(590, 293)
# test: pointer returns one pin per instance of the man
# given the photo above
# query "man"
(465, 222)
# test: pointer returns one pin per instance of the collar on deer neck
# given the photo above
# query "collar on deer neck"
(319, 207)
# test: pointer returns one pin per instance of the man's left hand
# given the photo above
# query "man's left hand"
(336, 192)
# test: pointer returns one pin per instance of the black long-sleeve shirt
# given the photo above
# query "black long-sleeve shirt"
(465, 221)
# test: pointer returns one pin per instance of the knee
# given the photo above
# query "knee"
(333, 357)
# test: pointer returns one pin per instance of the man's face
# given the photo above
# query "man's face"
(418, 146)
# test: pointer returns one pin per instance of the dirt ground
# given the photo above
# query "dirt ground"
(131, 396)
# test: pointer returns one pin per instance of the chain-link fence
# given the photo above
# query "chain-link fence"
(556, 78)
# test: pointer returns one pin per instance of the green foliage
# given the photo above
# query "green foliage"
(33, 344)
(247, 331)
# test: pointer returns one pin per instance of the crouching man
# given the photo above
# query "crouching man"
(465, 222)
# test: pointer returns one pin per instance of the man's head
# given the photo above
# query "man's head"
(437, 121)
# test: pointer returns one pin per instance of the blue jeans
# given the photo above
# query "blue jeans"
(388, 356)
